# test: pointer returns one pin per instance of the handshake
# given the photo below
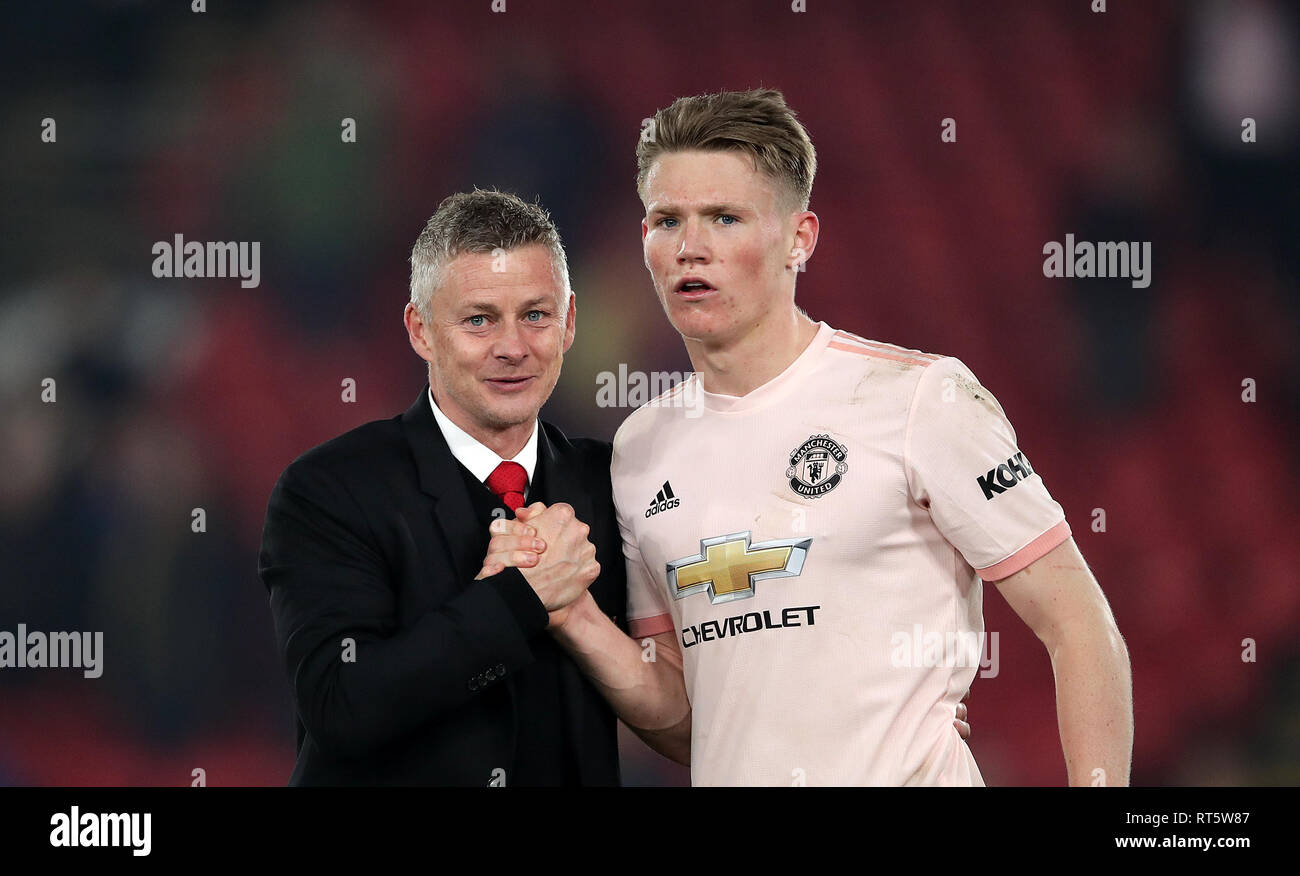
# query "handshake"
(550, 548)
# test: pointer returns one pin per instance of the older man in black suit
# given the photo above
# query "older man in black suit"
(410, 662)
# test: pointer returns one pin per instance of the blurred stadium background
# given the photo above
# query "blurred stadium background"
(225, 125)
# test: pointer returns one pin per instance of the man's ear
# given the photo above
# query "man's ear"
(417, 331)
(570, 321)
(805, 238)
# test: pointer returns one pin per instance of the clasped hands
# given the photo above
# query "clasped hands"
(550, 548)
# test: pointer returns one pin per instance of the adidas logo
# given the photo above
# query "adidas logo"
(663, 501)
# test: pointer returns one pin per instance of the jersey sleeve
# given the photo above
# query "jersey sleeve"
(647, 608)
(963, 465)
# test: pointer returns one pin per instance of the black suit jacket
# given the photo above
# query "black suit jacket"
(372, 537)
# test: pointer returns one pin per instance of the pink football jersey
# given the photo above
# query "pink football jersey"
(817, 547)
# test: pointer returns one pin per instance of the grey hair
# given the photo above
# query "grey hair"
(481, 221)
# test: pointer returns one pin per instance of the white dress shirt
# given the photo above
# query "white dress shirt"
(477, 457)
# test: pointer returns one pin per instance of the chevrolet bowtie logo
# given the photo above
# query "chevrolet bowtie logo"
(727, 567)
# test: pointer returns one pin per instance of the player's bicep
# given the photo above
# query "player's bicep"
(1055, 592)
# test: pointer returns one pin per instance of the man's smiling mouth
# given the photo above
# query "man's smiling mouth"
(509, 384)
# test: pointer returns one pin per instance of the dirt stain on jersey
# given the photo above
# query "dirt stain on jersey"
(977, 392)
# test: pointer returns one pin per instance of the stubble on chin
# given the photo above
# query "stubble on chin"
(496, 420)
(516, 414)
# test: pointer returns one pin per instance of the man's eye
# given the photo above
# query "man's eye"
(665, 220)
(478, 320)
(534, 315)
(733, 219)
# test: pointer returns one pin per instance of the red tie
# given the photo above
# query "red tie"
(508, 481)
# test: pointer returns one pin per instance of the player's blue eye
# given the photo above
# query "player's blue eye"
(478, 316)
(538, 313)
(733, 219)
(664, 222)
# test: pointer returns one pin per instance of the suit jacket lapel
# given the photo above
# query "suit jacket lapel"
(441, 479)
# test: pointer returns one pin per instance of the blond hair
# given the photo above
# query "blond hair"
(757, 123)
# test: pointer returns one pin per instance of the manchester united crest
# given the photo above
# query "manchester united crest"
(817, 467)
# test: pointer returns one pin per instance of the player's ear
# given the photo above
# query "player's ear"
(805, 239)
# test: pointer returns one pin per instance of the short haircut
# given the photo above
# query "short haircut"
(481, 221)
(757, 123)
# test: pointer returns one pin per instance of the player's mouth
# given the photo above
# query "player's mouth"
(509, 384)
(693, 288)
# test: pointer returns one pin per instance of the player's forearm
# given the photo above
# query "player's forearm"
(643, 684)
(673, 743)
(1094, 702)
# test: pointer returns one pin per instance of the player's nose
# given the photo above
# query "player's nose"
(694, 245)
